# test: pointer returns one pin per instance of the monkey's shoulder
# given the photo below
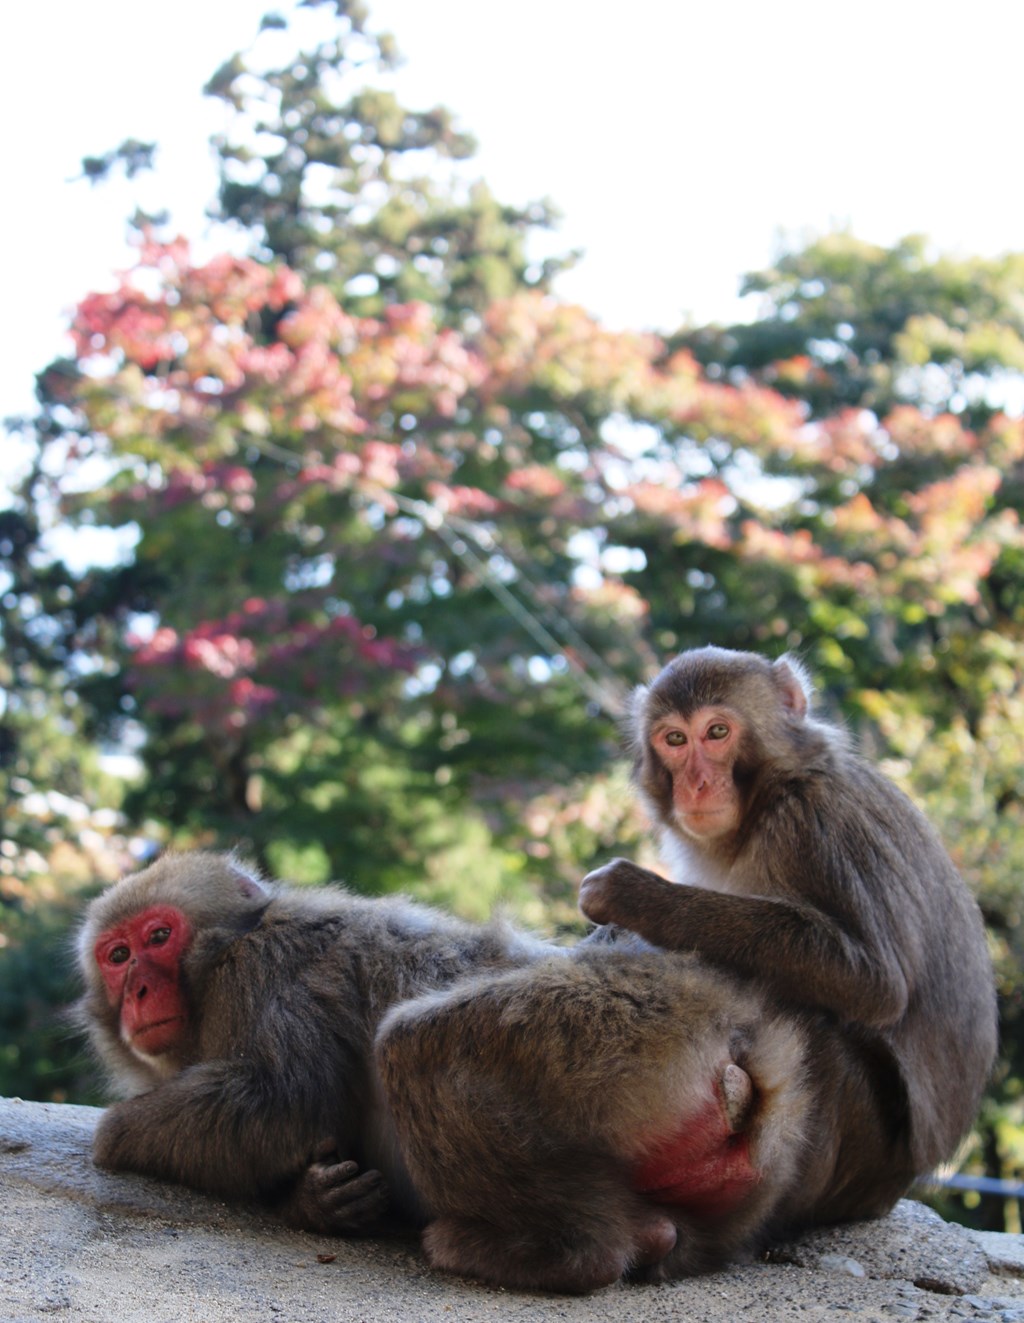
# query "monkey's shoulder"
(343, 946)
(844, 798)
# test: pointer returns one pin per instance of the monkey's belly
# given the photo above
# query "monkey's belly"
(702, 1167)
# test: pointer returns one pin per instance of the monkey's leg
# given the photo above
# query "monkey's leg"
(531, 1106)
(557, 1242)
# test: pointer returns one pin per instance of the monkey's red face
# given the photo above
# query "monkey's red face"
(699, 752)
(140, 961)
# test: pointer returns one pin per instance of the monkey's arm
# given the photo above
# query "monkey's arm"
(802, 953)
(215, 1126)
(227, 1128)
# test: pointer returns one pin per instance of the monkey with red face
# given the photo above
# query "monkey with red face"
(140, 961)
(240, 1017)
(804, 869)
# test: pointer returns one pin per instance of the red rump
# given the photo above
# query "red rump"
(702, 1167)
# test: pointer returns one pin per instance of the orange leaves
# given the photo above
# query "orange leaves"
(463, 502)
(253, 396)
(124, 321)
(917, 434)
(537, 481)
(402, 362)
(934, 555)
(532, 341)
(816, 571)
(845, 443)
(746, 415)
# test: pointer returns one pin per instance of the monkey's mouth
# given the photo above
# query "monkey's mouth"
(704, 821)
(159, 1036)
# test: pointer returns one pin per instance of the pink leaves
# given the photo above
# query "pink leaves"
(179, 348)
(261, 661)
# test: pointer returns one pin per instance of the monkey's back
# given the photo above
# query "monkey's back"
(882, 846)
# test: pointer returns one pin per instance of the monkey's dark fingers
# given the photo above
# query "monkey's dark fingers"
(333, 1198)
(341, 1184)
(355, 1204)
(326, 1175)
(736, 1090)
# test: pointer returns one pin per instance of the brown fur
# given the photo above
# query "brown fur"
(286, 988)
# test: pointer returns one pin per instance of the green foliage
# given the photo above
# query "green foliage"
(848, 323)
(342, 182)
(44, 769)
(132, 156)
(40, 1055)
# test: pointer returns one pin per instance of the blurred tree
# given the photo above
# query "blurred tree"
(349, 603)
(344, 184)
(844, 323)
(41, 761)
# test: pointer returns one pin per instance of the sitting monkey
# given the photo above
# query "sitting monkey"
(806, 870)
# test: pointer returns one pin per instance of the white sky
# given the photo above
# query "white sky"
(679, 139)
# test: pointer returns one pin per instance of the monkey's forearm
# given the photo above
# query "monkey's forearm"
(800, 952)
(213, 1127)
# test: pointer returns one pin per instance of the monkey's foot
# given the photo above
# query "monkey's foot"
(573, 1260)
(705, 1166)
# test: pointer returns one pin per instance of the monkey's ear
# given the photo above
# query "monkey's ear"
(247, 879)
(794, 685)
(632, 720)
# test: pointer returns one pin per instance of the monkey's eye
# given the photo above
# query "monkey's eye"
(158, 936)
(718, 731)
(675, 738)
(117, 955)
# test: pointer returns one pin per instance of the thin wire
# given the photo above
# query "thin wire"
(608, 691)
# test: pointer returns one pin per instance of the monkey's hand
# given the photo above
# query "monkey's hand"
(623, 893)
(334, 1198)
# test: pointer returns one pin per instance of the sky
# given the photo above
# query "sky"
(684, 143)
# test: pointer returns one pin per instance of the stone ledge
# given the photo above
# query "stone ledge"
(82, 1245)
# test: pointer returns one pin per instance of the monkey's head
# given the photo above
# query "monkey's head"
(706, 728)
(141, 949)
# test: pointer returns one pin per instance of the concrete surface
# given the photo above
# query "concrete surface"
(83, 1245)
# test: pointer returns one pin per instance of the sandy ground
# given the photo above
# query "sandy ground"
(78, 1244)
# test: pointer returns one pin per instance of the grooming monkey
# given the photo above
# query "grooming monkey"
(806, 870)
